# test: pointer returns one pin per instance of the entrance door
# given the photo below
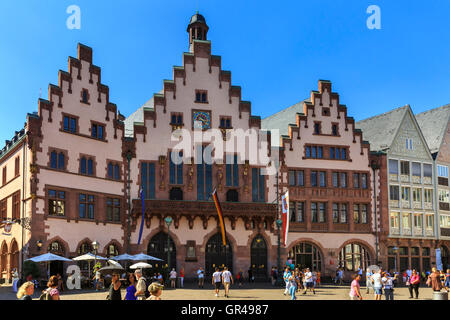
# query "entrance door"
(306, 255)
(259, 258)
(157, 248)
(217, 255)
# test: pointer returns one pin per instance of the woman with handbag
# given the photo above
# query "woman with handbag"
(414, 282)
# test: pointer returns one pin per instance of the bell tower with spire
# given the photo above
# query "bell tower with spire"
(197, 29)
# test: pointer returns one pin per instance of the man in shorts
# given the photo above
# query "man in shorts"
(309, 281)
(217, 280)
(227, 279)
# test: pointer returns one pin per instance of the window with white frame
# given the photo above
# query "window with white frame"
(444, 196)
(442, 171)
(395, 220)
(430, 221)
(409, 144)
(445, 221)
(428, 195)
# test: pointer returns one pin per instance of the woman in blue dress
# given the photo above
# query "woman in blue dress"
(131, 290)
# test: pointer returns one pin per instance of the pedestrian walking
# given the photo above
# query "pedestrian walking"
(309, 281)
(173, 278)
(388, 285)
(114, 288)
(292, 286)
(227, 280)
(250, 275)
(51, 293)
(355, 289)
(201, 277)
(26, 291)
(447, 280)
(272, 276)
(414, 283)
(155, 290)
(286, 275)
(131, 289)
(434, 279)
(181, 277)
(216, 281)
(318, 278)
(141, 285)
(377, 284)
(368, 280)
(96, 278)
(240, 278)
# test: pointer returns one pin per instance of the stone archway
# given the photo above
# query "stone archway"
(157, 247)
(258, 258)
(218, 255)
(306, 254)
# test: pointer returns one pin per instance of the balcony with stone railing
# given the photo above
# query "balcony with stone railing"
(393, 177)
(417, 205)
(416, 180)
(427, 180)
(418, 232)
(406, 204)
(394, 203)
(395, 231)
(428, 205)
(406, 232)
(404, 178)
(429, 232)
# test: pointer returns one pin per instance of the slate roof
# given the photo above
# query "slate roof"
(433, 124)
(380, 130)
(137, 116)
(283, 118)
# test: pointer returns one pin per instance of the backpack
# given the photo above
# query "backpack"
(45, 295)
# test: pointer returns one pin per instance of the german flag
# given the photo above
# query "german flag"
(221, 220)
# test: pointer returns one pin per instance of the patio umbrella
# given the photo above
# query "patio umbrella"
(48, 257)
(89, 257)
(111, 269)
(114, 263)
(141, 256)
(124, 256)
(141, 265)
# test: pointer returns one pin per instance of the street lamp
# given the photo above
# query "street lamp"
(168, 221)
(95, 246)
(279, 224)
(395, 249)
(374, 165)
(39, 244)
(129, 157)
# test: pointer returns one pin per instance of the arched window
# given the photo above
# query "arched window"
(306, 255)
(112, 250)
(354, 256)
(232, 195)
(84, 248)
(176, 194)
(56, 248)
(14, 255)
(3, 258)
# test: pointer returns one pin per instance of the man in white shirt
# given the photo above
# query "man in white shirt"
(309, 280)
(227, 278)
(377, 284)
(217, 280)
(201, 277)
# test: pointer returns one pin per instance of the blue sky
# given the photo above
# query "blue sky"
(276, 51)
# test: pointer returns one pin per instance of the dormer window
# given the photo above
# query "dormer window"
(201, 96)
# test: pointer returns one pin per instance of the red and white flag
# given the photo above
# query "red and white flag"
(285, 216)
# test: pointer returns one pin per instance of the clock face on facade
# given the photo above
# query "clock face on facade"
(201, 119)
